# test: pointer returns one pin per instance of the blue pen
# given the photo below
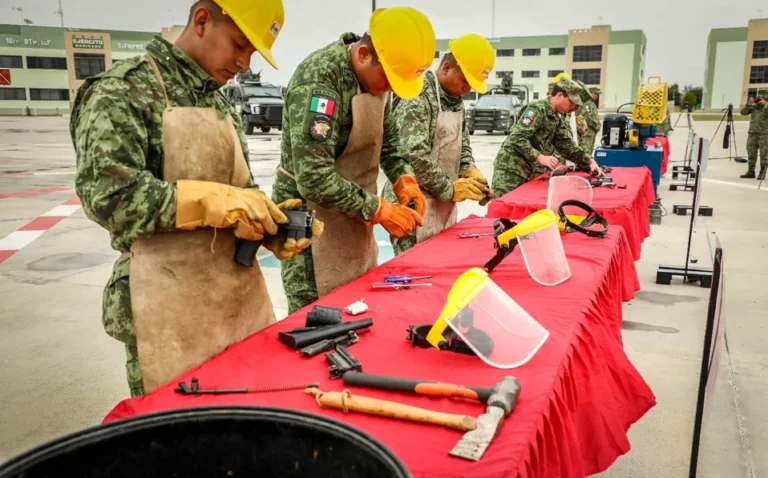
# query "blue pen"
(403, 279)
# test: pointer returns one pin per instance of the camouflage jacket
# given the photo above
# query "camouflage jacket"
(116, 129)
(506, 82)
(758, 124)
(309, 153)
(588, 116)
(540, 130)
(415, 122)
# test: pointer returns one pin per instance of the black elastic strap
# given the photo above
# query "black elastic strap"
(417, 336)
(591, 218)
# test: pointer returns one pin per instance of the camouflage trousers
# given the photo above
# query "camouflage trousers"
(757, 144)
(509, 175)
(135, 381)
(298, 274)
(587, 142)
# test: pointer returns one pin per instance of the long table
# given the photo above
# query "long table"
(580, 392)
(627, 208)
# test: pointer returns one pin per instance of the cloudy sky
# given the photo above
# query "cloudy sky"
(677, 35)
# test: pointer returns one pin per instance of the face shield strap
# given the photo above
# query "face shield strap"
(451, 342)
(590, 219)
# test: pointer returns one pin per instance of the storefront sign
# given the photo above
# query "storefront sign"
(88, 43)
(130, 46)
(26, 41)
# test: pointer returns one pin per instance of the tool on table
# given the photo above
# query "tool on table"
(579, 223)
(473, 444)
(357, 308)
(419, 387)
(321, 316)
(347, 402)
(605, 181)
(473, 235)
(387, 285)
(329, 344)
(404, 279)
(341, 362)
(300, 338)
(299, 226)
(194, 388)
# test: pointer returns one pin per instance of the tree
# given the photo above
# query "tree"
(690, 99)
(698, 91)
(674, 94)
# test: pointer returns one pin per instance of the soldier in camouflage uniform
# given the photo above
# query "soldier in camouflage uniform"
(757, 137)
(540, 131)
(434, 139)
(664, 129)
(336, 135)
(588, 121)
(162, 165)
(506, 83)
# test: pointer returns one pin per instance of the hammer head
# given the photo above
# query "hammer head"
(505, 394)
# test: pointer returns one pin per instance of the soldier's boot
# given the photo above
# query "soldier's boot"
(750, 174)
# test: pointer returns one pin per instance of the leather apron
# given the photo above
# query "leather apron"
(347, 249)
(190, 299)
(446, 151)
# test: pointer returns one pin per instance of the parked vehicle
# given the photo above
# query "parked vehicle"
(259, 104)
(496, 111)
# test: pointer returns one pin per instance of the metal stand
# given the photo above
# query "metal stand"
(729, 138)
(687, 170)
(665, 273)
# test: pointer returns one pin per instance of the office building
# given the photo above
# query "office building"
(599, 56)
(736, 64)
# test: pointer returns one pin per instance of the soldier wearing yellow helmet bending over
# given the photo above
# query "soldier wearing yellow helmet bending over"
(336, 135)
(162, 165)
(433, 137)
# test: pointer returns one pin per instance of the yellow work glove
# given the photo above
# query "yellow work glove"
(209, 204)
(291, 247)
(474, 173)
(398, 220)
(407, 189)
(467, 188)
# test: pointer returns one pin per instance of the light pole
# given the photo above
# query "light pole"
(60, 13)
(21, 13)
(373, 5)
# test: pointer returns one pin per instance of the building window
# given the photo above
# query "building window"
(588, 53)
(7, 61)
(46, 63)
(13, 94)
(758, 74)
(437, 54)
(535, 96)
(48, 94)
(87, 65)
(760, 49)
(556, 51)
(531, 74)
(502, 74)
(553, 73)
(508, 52)
(531, 51)
(590, 76)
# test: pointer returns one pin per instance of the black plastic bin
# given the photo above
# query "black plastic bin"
(212, 442)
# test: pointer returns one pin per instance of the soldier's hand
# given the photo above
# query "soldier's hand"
(407, 190)
(291, 247)
(467, 188)
(594, 168)
(398, 220)
(547, 161)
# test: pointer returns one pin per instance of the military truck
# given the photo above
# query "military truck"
(496, 111)
(259, 104)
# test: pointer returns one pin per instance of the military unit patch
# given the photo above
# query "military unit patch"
(324, 106)
(528, 116)
(320, 128)
(526, 121)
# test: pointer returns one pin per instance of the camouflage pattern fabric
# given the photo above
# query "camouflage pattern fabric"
(317, 120)
(540, 130)
(665, 126)
(757, 138)
(116, 129)
(589, 119)
(414, 123)
(506, 84)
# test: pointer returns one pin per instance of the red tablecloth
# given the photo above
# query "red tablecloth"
(665, 156)
(627, 208)
(580, 393)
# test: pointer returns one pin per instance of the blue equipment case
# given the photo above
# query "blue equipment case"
(633, 158)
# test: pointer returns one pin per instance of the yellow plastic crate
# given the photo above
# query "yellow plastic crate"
(651, 104)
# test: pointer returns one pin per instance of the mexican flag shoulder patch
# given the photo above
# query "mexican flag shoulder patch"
(323, 106)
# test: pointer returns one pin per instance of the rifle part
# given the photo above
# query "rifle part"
(341, 362)
(330, 344)
(299, 226)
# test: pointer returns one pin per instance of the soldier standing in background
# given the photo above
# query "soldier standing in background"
(588, 121)
(757, 137)
(506, 83)
(540, 132)
(336, 135)
(435, 141)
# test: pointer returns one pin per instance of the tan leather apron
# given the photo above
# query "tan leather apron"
(347, 249)
(446, 151)
(190, 299)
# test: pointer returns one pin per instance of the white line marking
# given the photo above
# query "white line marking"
(738, 185)
(61, 211)
(17, 240)
(384, 243)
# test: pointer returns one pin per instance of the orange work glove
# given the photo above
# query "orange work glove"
(465, 188)
(398, 220)
(209, 204)
(291, 247)
(407, 189)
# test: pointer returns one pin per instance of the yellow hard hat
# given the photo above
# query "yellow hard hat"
(561, 76)
(405, 43)
(475, 57)
(259, 20)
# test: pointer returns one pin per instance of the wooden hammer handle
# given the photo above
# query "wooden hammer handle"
(347, 402)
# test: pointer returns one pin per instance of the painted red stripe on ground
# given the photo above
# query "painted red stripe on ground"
(41, 223)
(75, 201)
(5, 255)
(34, 192)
